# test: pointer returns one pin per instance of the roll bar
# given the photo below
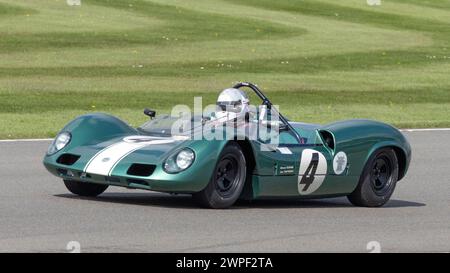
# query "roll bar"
(268, 103)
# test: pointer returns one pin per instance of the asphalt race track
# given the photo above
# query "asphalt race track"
(38, 214)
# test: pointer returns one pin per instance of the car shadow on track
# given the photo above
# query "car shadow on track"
(186, 201)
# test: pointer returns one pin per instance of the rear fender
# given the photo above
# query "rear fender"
(361, 138)
(403, 155)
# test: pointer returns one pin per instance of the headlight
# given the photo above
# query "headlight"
(179, 161)
(60, 141)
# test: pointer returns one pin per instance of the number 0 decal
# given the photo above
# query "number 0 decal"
(312, 171)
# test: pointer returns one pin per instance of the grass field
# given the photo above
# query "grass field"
(319, 60)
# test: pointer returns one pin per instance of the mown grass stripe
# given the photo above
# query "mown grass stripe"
(13, 10)
(319, 61)
(444, 4)
(352, 14)
(383, 59)
(181, 26)
(34, 102)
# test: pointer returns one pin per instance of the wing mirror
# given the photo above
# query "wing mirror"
(150, 113)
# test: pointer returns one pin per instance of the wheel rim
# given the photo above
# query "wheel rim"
(227, 176)
(381, 175)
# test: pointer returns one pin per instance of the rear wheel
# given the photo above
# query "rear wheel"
(378, 180)
(227, 181)
(84, 188)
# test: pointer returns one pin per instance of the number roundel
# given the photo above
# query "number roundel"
(312, 171)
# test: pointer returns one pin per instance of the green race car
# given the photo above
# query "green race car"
(234, 152)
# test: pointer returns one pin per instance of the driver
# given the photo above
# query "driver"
(232, 104)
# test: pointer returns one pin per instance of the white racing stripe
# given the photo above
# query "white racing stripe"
(103, 162)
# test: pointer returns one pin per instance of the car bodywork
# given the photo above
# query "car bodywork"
(311, 161)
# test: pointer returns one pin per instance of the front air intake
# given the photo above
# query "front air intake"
(141, 169)
(67, 159)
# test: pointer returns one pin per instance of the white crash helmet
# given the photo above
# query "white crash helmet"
(232, 104)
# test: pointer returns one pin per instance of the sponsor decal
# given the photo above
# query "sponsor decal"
(374, 2)
(339, 163)
(73, 2)
(286, 170)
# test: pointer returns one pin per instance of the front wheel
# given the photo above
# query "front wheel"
(84, 188)
(227, 181)
(378, 180)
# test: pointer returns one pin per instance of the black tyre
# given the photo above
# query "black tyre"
(227, 181)
(84, 189)
(378, 180)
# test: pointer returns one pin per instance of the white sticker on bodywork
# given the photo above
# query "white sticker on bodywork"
(104, 161)
(284, 150)
(312, 171)
(339, 163)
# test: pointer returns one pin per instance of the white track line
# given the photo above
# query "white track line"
(425, 130)
(26, 140)
(49, 139)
